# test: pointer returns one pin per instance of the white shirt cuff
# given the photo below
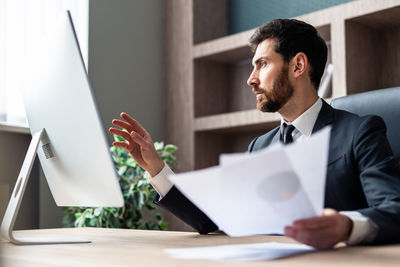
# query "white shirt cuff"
(161, 183)
(364, 229)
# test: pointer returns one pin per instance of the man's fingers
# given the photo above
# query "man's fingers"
(329, 217)
(133, 136)
(313, 223)
(123, 145)
(290, 231)
(328, 212)
(139, 139)
(123, 125)
(322, 238)
(120, 133)
(136, 125)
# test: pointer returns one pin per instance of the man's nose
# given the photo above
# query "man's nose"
(253, 79)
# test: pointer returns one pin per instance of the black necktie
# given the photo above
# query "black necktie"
(286, 136)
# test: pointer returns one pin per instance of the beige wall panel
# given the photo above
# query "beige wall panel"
(179, 80)
(179, 88)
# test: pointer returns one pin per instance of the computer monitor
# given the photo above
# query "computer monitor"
(67, 131)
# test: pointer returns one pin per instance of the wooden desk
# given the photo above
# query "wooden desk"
(118, 247)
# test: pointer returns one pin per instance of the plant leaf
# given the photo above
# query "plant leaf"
(170, 148)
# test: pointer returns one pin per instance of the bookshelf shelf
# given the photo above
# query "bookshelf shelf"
(227, 49)
(239, 120)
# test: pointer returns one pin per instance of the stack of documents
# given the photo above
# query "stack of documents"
(258, 251)
(261, 192)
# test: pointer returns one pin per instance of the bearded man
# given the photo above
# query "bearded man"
(362, 197)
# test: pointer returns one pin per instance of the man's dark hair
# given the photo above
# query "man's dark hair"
(291, 37)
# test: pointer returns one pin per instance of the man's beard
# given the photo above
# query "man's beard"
(281, 92)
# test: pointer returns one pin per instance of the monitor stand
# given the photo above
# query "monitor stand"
(7, 225)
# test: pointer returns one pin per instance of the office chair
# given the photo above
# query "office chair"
(384, 103)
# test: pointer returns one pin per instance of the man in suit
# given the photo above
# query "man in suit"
(362, 197)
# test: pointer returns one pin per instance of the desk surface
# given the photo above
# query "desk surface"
(119, 247)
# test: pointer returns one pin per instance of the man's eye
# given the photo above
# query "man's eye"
(263, 63)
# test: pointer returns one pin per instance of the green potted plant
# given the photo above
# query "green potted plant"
(137, 192)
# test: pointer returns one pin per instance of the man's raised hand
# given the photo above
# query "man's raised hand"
(138, 143)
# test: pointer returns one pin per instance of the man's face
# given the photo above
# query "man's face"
(269, 79)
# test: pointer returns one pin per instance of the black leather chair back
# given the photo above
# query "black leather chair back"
(384, 103)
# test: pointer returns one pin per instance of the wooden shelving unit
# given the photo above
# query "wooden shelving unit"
(209, 107)
(239, 119)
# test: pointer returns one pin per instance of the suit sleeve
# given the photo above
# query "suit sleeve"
(380, 178)
(251, 146)
(175, 202)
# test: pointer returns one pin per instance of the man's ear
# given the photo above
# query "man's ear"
(299, 64)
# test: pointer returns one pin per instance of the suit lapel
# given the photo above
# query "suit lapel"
(325, 117)
(276, 137)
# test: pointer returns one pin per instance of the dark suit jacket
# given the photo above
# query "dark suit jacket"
(362, 174)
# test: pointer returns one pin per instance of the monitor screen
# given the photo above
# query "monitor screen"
(58, 98)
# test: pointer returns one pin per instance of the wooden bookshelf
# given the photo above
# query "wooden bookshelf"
(227, 49)
(234, 120)
(209, 107)
(373, 50)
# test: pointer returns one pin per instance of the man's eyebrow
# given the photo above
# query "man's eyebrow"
(258, 60)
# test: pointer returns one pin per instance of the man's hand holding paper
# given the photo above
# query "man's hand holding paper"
(261, 193)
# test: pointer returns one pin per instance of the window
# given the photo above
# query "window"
(22, 22)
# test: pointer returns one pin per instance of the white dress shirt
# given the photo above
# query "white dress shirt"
(364, 230)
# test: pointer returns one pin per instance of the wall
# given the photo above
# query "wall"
(245, 16)
(126, 60)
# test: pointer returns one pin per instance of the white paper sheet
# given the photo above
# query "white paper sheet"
(261, 193)
(310, 160)
(258, 251)
(203, 188)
